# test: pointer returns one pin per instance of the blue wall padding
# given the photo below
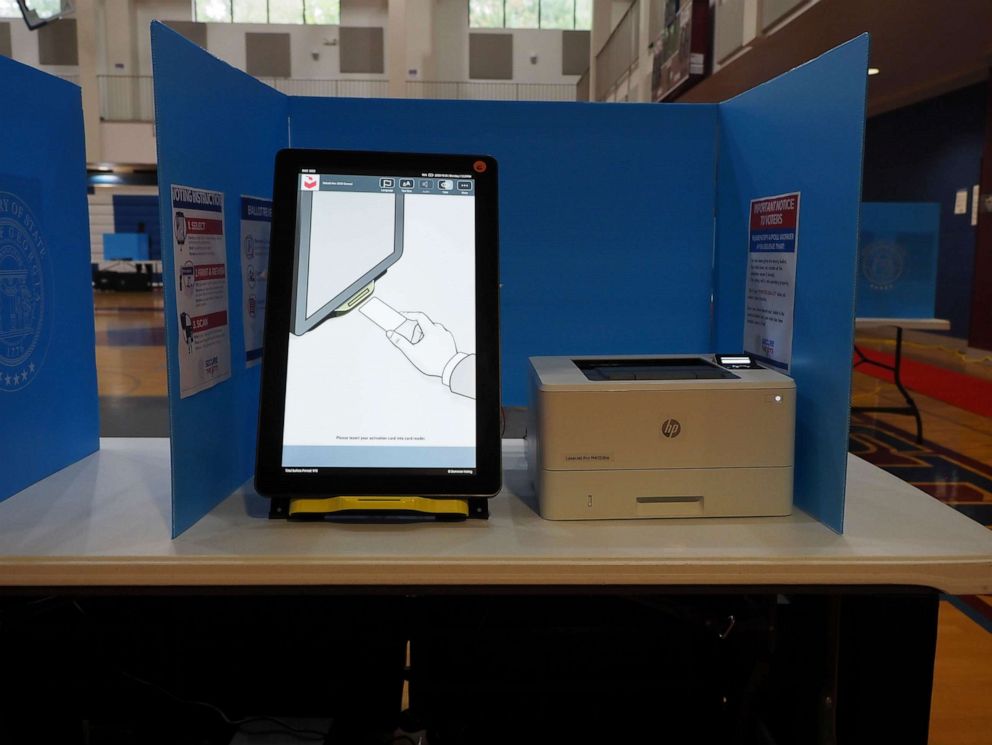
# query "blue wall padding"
(138, 213)
(217, 129)
(606, 213)
(51, 418)
(802, 131)
(897, 264)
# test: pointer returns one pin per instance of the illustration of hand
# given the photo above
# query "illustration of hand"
(410, 330)
(432, 354)
(389, 319)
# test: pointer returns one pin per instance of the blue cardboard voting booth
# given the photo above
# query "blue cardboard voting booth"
(138, 213)
(48, 397)
(897, 262)
(125, 247)
(623, 230)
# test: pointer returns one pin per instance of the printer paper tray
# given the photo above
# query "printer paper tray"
(677, 492)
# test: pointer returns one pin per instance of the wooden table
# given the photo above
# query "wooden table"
(102, 525)
(915, 324)
(105, 522)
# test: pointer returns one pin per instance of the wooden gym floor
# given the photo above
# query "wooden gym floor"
(130, 357)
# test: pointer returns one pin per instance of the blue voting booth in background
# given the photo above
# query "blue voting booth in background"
(49, 412)
(126, 247)
(897, 262)
(608, 239)
(138, 213)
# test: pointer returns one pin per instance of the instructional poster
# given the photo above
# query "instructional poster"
(200, 259)
(256, 219)
(771, 278)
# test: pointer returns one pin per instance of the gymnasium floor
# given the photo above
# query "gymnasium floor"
(132, 382)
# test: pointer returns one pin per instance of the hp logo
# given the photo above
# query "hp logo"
(671, 428)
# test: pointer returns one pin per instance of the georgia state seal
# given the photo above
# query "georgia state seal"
(25, 290)
(883, 263)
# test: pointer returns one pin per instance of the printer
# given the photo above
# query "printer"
(660, 436)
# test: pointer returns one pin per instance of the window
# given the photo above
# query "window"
(250, 11)
(323, 11)
(286, 11)
(486, 14)
(212, 10)
(565, 14)
(326, 12)
(521, 14)
(46, 8)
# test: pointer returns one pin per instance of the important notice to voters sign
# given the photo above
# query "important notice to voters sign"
(200, 259)
(771, 278)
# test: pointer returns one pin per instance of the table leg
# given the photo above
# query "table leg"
(897, 378)
(885, 666)
(910, 409)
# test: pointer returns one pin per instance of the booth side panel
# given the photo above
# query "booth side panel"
(48, 394)
(218, 129)
(606, 214)
(802, 132)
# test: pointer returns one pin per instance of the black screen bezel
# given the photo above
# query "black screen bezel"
(271, 480)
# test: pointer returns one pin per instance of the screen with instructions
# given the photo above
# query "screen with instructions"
(381, 364)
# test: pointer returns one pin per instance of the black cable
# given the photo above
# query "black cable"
(308, 734)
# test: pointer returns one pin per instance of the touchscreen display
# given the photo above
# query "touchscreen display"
(352, 232)
(381, 361)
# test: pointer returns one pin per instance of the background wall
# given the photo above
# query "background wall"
(421, 49)
(24, 48)
(926, 153)
(435, 44)
(546, 45)
(227, 42)
(363, 12)
(437, 40)
(147, 11)
(451, 40)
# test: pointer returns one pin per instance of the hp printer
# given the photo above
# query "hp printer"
(660, 436)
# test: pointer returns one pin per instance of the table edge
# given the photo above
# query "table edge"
(953, 576)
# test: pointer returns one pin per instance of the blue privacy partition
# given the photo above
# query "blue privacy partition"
(897, 264)
(802, 132)
(218, 129)
(48, 397)
(138, 213)
(607, 228)
(125, 247)
(602, 251)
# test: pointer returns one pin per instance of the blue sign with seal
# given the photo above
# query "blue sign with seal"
(25, 294)
(897, 262)
(49, 414)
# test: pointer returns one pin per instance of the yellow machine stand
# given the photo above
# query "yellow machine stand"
(378, 509)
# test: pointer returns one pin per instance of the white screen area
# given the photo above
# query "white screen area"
(350, 233)
(358, 395)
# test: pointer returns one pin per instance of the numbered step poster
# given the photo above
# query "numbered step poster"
(256, 219)
(771, 279)
(200, 259)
